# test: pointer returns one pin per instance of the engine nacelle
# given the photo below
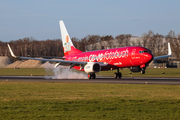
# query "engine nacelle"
(135, 69)
(92, 67)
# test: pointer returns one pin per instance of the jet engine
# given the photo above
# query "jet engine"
(92, 67)
(135, 69)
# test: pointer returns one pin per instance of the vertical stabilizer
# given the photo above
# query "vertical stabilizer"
(68, 46)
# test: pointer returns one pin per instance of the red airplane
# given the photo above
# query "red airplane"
(135, 58)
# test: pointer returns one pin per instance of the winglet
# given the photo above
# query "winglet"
(169, 49)
(12, 54)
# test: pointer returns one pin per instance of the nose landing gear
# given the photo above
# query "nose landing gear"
(143, 70)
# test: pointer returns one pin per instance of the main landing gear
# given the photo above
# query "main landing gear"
(91, 76)
(117, 74)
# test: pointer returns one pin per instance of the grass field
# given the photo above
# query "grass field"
(150, 72)
(41, 100)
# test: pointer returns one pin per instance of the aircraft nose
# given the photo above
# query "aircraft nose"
(150, 57)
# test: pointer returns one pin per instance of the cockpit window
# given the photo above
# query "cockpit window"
(145, 51)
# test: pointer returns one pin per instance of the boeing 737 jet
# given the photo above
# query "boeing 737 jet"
(135, 58)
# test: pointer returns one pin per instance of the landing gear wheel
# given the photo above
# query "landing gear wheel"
(143, 70)
(117, 75)
(91, 76)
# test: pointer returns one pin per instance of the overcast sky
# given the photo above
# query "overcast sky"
(40, 18)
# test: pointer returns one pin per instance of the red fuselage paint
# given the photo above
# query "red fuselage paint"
(116, 58)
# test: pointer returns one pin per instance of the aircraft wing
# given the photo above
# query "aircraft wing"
(48, 57)
(57, 62)
(165, 56)
(60, 62)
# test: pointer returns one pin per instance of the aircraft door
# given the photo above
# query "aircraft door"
(133, 59)
(133, 54)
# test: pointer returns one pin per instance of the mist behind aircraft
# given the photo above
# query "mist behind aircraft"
(62, 72)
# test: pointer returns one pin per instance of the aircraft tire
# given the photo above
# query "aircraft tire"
(89, 76)
(142, 71)
(119, 75)
(115, 75)
(93, 75)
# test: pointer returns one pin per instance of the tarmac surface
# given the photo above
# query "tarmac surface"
(108, 80)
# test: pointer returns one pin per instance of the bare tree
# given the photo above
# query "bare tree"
(175, 42)
(127, 39)
(120, 39)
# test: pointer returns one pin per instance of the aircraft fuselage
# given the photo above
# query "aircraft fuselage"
(116, 57)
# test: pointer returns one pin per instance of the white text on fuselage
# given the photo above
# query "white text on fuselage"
(108, 55)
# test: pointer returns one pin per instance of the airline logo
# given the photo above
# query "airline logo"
(106, 55)
(67, 45)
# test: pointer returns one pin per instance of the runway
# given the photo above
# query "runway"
(109, 80)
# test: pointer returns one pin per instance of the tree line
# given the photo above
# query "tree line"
(157, 43)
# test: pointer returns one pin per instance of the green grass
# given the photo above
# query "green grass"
(150, 72)
(41, 100)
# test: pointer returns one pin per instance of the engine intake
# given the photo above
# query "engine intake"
(92, 67)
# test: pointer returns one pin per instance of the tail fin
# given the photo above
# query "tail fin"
(68, 46)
